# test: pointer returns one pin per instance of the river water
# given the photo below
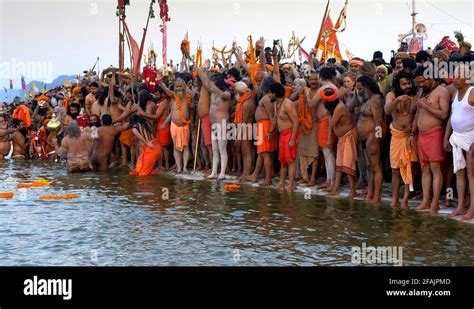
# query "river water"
(121, 220)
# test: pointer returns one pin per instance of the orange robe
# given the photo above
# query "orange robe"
(127, 138)
(323, 127)
(146, 161)
(180, 136)
(263, 143)
(346, 158)
(402, 154)
(287, 155)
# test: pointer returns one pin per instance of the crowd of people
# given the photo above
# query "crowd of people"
(322, 123)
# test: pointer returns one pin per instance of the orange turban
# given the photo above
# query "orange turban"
(42, 98)
(76, 90)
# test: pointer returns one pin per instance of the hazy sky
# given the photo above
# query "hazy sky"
(66, 36)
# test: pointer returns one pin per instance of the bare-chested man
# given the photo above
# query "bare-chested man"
(91, 98)
(266, 137)
(219, 117)
(432, 110)
(5, 137)
(180, 122)
(307, 146)
(401, 104)
(326, 77)
(74, 146)
(369, 130)
(287, 122)
(459, 139)
(203, 106)
(21, 142)
(104, 143)
(343, 126)
(243, 119)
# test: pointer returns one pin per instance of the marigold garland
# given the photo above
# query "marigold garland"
(34, 184)
(231, 187)
(180, 111)
(59, 197)
(6, 195)
(238, 117)
(304, 115)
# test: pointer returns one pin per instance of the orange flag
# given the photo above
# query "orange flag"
(135, 50)
(328, 43)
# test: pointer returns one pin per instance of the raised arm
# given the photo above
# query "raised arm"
(210, 86)
(261, 48)
(239, 58)
(276, 65)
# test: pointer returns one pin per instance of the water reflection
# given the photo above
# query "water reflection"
(130, 221)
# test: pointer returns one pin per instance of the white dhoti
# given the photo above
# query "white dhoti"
(460, 142)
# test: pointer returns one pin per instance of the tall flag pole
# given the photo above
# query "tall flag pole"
(322, 25)
(151, 14)
(164, 19)
(121, 15)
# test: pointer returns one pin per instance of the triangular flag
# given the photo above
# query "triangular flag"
(328, 43)
(135, 50)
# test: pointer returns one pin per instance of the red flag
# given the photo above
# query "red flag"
(135, 50)
(304, 55)
(122, 3)
(328, 43)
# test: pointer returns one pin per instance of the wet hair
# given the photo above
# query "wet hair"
(186, 77)
(105, 93)
(71, 105)
(330, 105)
(73, 130)
(277, 89)
(219, 80)
(106, 120)
(94, 84)
(396, 83)
(327, 73)
(370, 84)
(234, 73)
(422, 56)
(145, 97)
(409, 64)
(136, 121)
(377, 55)
(266, 83)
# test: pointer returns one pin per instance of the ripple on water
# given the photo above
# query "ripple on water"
(124, 220)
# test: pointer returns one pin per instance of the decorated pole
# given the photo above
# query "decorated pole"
(322, 25)
(151, 14)
(164, 19)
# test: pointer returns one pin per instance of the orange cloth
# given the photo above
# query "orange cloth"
(263, 143)
(239, 107)
(288, 91)
(206, 130)
(23, 113)
(323, 127)
(163, 136)
(287, 155)
(42, 98)
(76, 90)
(430, 146)
(146, 161)
(179, 107)
(346, 158)
(402, 154)
(127, 138)
(180, 136)
(304, 115)
(254, 68)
